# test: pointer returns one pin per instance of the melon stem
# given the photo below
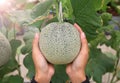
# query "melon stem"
(60, 17)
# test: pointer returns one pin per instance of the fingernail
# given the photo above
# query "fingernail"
(36, 35)
(75, 24)
(83, 35)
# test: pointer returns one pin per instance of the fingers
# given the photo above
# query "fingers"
(84, 43)
(78, 28)
(35, 47)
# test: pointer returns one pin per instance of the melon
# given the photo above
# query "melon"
(59, 42)
(5, 50)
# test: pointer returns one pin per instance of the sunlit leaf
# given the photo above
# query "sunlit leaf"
(41, 8)
(21, 16)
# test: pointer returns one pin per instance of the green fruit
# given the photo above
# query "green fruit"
(59, 42)
(5, 50)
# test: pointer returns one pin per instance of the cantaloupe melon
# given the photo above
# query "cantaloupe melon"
(5, 50)
(59, 42)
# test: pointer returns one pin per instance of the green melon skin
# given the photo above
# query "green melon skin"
(59, 42)
(5, 50)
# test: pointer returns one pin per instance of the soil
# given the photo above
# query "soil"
(112, 9)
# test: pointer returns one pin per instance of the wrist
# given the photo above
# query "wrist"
(37, 78)
(42, 78)
(78, 77)
(82, 76)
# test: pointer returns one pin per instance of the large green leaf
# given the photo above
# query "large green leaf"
(99, 64)
(86, 17)
(41, 8)
(13, 79)
(12, 64)
(28, 62)
(60, 75)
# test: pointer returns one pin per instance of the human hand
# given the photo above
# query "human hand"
(43, 70)
(76, 69)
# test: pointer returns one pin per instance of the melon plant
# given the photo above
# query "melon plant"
(59, 42)
(5, 50)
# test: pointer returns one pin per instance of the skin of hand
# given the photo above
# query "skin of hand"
(44, 70)
(76, 69)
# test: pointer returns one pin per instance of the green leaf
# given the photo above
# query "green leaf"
(99, 40)
(60, 75)
(30, 32)
(11, 34)
(27, 48)
(28, 38)
(104, 6)
(99, 64)
(13, 79)
(12, 63)
(41, 8)
(21, 16)
(86, 17)
(106, 17)
(99, 4)
(114, 42)
(67, 9)
(29, 5)
(28, 62)
(36, 23)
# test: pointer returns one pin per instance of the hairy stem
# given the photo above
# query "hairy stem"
(14, 31)
(60, 12)
(19, 72)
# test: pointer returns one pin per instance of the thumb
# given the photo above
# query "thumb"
(84, 48)
(35, 44)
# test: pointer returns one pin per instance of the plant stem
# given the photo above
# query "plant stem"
(60, 12)
(14, 31)
(19, 72)
(115, 67)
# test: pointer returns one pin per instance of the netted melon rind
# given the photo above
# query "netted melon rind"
(5, 50)
(59, 42)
